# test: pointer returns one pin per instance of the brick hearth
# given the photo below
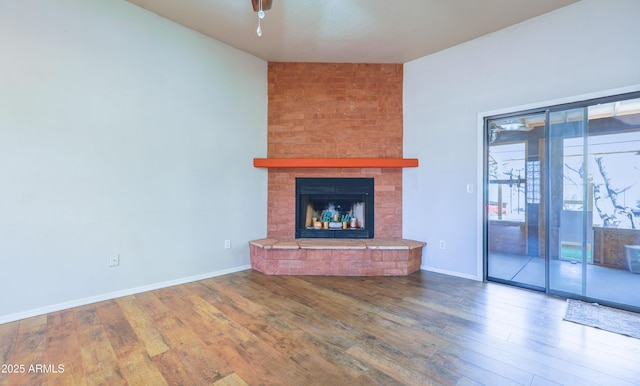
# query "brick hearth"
(345, 257)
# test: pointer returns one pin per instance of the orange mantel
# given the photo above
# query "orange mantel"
(335, 162)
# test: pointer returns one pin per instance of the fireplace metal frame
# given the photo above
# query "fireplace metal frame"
(361, 189)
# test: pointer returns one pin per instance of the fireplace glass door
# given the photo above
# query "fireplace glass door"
(334, 208)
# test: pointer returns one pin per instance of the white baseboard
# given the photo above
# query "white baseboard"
(116, 294)
(451, 273)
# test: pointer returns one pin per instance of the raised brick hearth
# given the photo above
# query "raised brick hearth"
(329, 110)
(345, 257)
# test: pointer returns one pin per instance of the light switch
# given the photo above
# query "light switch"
(470, 188)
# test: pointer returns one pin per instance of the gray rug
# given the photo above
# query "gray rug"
(604, 318)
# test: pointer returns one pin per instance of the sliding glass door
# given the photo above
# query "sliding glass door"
(562, 200)
(515, 253)
(567, 241)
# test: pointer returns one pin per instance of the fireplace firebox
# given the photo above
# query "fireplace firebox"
(334, 208)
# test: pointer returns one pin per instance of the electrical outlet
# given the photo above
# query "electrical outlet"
(114, 261)
(227, 244)
(443, 244)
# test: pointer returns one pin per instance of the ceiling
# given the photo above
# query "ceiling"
(349, 31)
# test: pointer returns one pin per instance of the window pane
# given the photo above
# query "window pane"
(507, 182)
(614, 172)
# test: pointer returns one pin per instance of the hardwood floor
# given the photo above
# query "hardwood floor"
(248, 328)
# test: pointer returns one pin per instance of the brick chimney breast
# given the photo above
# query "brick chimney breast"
(329, 110)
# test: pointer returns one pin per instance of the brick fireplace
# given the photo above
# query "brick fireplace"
(320, 110)
(327, 110)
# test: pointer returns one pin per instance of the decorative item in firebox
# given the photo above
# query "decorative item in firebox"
(333, 220)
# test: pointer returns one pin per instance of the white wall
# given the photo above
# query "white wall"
(584, 48)
(121, 133)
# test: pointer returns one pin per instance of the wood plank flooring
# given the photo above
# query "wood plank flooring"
(247, 328)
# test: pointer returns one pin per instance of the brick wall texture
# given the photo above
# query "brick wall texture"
(328, 110)
(343, 262)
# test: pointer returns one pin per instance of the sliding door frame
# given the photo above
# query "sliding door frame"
(546, 109)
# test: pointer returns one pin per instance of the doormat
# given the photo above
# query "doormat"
(604, 318)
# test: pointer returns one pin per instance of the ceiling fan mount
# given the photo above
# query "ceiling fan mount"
(266, 5)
